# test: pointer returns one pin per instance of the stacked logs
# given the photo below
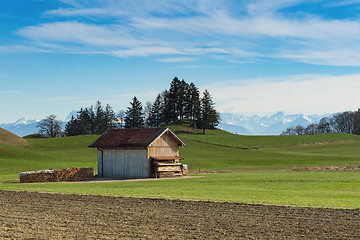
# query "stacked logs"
(57, 175)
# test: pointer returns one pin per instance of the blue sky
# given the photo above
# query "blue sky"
(254, 56)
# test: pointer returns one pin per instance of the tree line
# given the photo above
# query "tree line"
(345, 122)
(182, 101)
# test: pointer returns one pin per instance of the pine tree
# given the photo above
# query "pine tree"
(167, 113)
(134, 115)
(71, 128)
(91, 121)
(156, 116)
(174, 99)
(209, 118)
(192, 104)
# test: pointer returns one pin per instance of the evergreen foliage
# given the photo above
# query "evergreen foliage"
(180, 102)
(134, 115)
(209, 118)
(91, 120)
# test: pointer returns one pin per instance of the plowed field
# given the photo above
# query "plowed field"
(26, 215)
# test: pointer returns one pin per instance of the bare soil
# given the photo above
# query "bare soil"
(25, 215)
(323, 169)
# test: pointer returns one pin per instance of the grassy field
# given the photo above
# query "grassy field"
(46, 154)
(261, 175)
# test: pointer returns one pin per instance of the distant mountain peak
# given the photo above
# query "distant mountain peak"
(266, 125)
(70, 115)
(25, 121)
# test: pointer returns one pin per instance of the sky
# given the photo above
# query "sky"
(254, 56)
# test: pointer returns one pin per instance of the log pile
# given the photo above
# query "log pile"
(57, 175)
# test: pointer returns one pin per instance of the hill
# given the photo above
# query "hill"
(47, 153)
(215, 151)
(9, 138)
(250, 169)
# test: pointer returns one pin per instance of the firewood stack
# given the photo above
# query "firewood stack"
(57, 175)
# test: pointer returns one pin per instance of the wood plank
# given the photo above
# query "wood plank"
(168, 169)
(168, 164)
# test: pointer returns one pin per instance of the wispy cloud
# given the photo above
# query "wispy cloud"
(175, 59)
(12, 92)
(240, 31)
(21, 49)
(146, 51)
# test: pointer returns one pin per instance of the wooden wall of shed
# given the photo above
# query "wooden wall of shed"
(126, 163)
(100, 163)
(166, 145)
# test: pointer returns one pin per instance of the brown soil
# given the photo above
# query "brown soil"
(323, 169)
(25, 215)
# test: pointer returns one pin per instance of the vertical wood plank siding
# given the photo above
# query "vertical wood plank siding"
(164, 146)
(125, 163)
(100, 163)
(120, 162)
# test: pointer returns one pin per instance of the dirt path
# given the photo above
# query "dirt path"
(26, 215)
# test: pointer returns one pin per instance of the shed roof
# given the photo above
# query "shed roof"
(139, 137)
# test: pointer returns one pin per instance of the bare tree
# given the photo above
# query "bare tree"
(50, 127)
(121, 117)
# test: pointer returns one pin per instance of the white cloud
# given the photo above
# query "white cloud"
(208, 28)
(175, 59)
(12, 92)
(80, 33)
(145, 51)
(20, 49)
(302, 93)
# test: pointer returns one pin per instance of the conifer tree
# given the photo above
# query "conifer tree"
(174, 101)
(209, 118)
(156, 116)
(192, 107)
(91, 121)
(134, 115)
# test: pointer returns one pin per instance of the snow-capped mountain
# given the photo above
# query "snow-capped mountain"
(267, 125)
(22, 127)
(25, 126)
(234, 123)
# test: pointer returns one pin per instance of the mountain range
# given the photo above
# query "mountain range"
(267, 125)
(231, 122)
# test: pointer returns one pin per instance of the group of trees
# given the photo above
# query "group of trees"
(92, 120)
(181, 101)
(346, 122)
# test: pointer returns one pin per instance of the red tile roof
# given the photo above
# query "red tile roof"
(141, 137)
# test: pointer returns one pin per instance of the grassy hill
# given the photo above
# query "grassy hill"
(46, 153)
(9, 138)
(216, 150)
(219, 150)
(251, 169)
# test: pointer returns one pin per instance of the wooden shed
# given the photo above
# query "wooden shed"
(138, 153)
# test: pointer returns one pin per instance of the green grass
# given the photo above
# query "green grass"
(327, 189)
(47, 154)
(256, 176)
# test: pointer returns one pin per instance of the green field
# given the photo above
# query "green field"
(249, 169)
